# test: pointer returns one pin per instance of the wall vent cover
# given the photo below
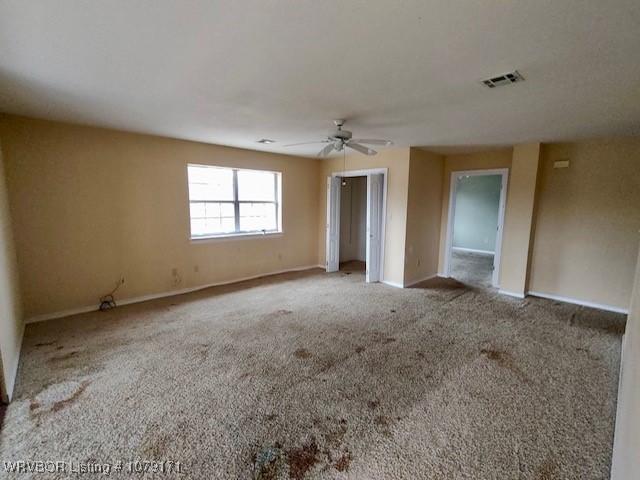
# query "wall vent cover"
(504, 79)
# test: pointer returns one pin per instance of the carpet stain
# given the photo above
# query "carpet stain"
(62, 358)
(302, 459)
(335, 436)
(342, 464)
(504, 360)
(388, 340)
(158, 447)
(384, 423)
(327, 365)
(615, 328)
(360, 349)
(44, 344)
(302, 353)
(34, 405)
(382, 420)
(547, 471)
(373, 404)
(277, 314)
(203, 350)
(57, 406)
(270, 464)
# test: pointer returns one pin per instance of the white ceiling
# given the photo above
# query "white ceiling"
(231, 72)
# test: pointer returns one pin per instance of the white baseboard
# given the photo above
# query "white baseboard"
(392, 284)
(511, 294)
(584, 303)
(415, 282)
(473, 250)
(13, 374)
(153, 296)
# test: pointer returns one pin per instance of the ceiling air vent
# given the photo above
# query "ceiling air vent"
(504, 79)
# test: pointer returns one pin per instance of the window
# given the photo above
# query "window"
(231, 201)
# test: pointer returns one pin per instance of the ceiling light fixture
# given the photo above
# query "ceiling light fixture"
(266, 141)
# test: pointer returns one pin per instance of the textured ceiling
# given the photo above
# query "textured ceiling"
(237, 71)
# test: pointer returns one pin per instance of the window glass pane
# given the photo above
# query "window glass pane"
(256, 185)
(257, 216)
(197, 209)
(227, 210)
(212, 218)
(228, 224)
(210, 183)
(198, 226)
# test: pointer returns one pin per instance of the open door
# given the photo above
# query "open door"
(375, 191)
(333, 223)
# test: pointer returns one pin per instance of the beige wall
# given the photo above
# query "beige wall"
(518, 220)
(91, 205)
(626, 447)
(588, 220)
(11, 324)
(474, 161)
(397, 162)
(424, 212)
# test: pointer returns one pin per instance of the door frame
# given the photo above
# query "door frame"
(364, 173)
(497, 257)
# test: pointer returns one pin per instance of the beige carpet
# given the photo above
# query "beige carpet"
(472, 268)
(309, 375)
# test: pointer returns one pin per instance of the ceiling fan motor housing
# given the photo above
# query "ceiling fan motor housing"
(342, 135)
(339, 134)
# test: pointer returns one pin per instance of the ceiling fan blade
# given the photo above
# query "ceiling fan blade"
(305, 143)
(361, 148)
(326, 150)
(386, 143)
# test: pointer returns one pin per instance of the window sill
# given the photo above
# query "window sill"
(235, 236)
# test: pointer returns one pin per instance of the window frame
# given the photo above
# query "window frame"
(236, 202)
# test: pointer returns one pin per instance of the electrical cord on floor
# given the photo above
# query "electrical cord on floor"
(108, 301)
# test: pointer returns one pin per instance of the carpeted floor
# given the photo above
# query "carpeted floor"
(314, 375)
(353, 266)
(472, 268)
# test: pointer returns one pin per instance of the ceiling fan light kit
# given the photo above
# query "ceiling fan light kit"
(340, 139)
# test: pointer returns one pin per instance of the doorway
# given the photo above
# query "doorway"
(356, 205)
(475, 226)
(353, 224)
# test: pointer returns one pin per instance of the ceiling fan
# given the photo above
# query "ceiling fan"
(339, 139)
